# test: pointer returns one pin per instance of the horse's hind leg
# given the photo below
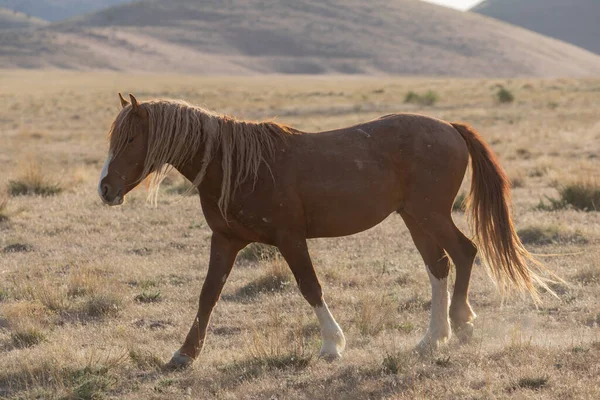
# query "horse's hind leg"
(295, 252)
(441, 228)
(438, 266)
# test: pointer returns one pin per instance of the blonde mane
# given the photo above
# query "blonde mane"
(178, 131)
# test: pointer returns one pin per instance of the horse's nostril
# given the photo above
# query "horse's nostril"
(104, 189)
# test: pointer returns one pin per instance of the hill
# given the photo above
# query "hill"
(404, 37)
(56, 10)
(573, 21)
(10, 19)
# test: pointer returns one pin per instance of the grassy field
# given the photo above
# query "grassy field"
(93, 300)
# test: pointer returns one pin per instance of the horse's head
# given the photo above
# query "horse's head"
(124, 166)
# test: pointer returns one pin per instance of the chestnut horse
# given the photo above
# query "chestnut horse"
(268, 183)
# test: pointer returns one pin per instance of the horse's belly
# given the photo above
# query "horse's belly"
(341, 216)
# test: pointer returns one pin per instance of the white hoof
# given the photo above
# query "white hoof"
(432, 342)
(333, 346)
(465, 332)
(179, 361)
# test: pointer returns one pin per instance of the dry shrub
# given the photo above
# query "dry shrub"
(33, 181)
(102, 304)
(53, 297)
(145, 359)
(504, 95)
(429, 98)
(530, 382)
(26, 335)
(549, 234)
(374, 314)
(259, 252)
(517, 181)
(83, 282)
(276, 278)
(148, 297)
(18, 248)
(277, 344)
(588, 275)
(583, 196)
(179, 186)
(3, 207)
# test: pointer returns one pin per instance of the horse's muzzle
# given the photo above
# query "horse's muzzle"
(109, 195)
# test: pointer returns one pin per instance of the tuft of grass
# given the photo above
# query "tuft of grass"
(182, 187)
(145, 360)
(583, 196)
(504, 96)
(148, 297)
(276, 279)
(4, 208)
(254, 367)
(53, 297)
(460, 202)
(406, 327)
(83, 283)
(588, 276)
(549, 234)
(517, 181)
(102, 304)
(392, 364)
(443, 362)
(429, 98)
(18, 248)
(27, 336)
(91, 383)
(257, 251)
(374, 314)
(532, 383)
(33, 182)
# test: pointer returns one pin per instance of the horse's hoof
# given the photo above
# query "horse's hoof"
(330, 356)
(465, 332)
(179, 361)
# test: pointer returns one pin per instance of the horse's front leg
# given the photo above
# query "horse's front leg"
(223, 251)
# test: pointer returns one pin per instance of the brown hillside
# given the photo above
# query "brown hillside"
(573, 21)
(405, 37)
(10, 19)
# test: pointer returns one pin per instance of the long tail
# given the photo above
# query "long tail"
(507, 260)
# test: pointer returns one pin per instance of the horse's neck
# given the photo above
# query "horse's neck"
(211, 183)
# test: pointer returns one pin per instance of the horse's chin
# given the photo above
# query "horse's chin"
(117, 201)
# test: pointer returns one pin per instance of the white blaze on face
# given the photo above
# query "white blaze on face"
(104, 173)
(439, 325)
(333, 337)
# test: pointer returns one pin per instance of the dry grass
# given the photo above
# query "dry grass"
(581, 195)
(428, 98)
(549, 234)
(71, 269)
(33, 182)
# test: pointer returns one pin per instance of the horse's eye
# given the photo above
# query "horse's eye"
(129, 140)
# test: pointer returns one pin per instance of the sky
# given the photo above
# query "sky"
(460, 4)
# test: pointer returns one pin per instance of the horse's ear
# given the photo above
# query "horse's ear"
(134, 103)
(124, 103)
(135, 106)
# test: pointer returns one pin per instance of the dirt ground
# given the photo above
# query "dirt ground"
(93, 300)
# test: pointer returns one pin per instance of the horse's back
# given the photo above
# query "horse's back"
(352, 178)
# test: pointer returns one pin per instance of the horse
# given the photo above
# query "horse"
(269, 183)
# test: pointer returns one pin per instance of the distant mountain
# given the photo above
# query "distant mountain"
(572, 21)
(56, 10)
(10, 19)
(404, 37)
